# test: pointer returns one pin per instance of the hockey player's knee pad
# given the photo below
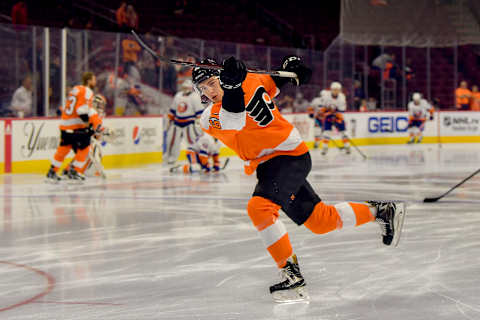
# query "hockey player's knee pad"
(262, 212)
(323, 219)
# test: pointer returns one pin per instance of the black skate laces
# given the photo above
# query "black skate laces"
(384, 209)
(287, 274)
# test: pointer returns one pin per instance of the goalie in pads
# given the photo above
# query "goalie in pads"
(200, 153)
(244, 117)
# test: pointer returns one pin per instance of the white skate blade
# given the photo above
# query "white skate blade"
(73, 182)
(296, 295)
(51, 181)
(398, 223)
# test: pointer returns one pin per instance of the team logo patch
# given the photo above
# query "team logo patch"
(136, 135)
(182, 107)
(260, 107)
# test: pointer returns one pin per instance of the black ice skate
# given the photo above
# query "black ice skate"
(64, 175)
(324, 151)
(412, 140)
(347, 149)
(293, 287)
(390, 216)
(75, 176)
(419, 139)
(52, 176)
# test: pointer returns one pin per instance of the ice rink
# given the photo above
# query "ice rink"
(148, 244)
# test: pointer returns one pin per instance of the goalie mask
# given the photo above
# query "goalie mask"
(187, 86)
(200, 74)
(99, 103)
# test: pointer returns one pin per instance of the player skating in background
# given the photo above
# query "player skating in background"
(78, 120)
(186, 107)
(244, 117)
(335, 104)
(316, 112)
(203, 155)
(418, 110)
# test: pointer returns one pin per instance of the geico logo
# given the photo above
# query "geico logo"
(148, 132)
(387, 124)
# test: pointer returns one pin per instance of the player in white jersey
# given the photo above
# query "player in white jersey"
(315, 111)
(335, 104)
(418, 110)
(185, 109)
(200, 153)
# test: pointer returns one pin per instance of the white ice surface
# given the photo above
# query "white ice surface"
(147, 244)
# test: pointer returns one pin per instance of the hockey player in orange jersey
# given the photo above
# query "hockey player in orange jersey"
(244, 117)
(79, 121)
(93, 165)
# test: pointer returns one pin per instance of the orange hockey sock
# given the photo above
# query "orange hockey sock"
(80, 159)
(326, 218)
(264, 215)
(59, 156)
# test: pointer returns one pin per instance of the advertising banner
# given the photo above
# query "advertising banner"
(38, 139)
(460, 123)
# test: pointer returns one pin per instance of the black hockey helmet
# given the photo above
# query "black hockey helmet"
(200, 74)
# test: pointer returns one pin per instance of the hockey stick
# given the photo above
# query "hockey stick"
(225, 164)
(356, 148)
(283, 74)
(457, 185)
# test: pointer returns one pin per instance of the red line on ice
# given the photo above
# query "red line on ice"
(47, 290)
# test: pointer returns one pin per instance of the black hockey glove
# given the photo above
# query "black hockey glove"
(233, 73)
(295, 64)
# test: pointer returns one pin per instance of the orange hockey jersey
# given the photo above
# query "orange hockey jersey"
(79, 102)
(260, 132)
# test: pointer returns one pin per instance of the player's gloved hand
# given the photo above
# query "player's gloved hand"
(206, 169)
(233, 73)
(216, 168)
(431, 117)
(295, 64)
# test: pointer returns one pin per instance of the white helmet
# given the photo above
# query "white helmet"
(416, 96)
(336, 85)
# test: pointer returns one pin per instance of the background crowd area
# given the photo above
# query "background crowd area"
(136, 84)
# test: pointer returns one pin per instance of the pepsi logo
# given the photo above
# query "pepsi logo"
(136, 135)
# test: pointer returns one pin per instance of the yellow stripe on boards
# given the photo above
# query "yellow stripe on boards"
(140, 159)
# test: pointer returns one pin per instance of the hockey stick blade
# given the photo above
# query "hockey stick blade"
(225, 164)
(282, 74)
(451, 189)
(431, 199)
(356, 148)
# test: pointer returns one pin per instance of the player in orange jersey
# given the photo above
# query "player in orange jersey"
(93, 166)
(79, 121)
(244, 117)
